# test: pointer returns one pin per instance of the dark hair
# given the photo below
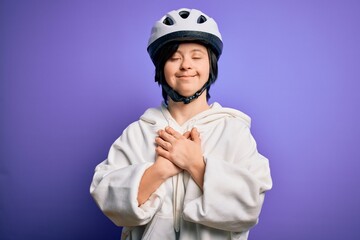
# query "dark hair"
(167, 51)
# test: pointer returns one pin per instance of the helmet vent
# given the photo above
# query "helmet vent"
(168, 21)
(201, 19)
(184, 14)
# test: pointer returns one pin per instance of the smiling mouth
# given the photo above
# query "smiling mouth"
(186, 76)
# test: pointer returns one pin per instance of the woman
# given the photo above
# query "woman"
(185, 170)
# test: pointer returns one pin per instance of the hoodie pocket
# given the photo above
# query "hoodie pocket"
(126, 233)
(239, 235)
(132, 233)
(160, 227)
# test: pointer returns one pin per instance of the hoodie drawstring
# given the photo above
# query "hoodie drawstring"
(178, 194)
(178, 182)
(178, 199)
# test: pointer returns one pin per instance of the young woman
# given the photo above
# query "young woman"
(187, 169)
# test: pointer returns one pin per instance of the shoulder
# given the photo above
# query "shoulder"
(153, 116)
(148, 122)
(148, 118)
(232, 116)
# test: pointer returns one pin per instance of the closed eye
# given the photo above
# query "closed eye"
(197, 56)
(175, 57)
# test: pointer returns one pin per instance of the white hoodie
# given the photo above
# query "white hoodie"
(236, 178)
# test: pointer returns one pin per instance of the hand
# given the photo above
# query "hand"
(182, 150)
(166, 168)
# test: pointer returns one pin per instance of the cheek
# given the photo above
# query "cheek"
(206, 70)
(166, 69)
(168, 72)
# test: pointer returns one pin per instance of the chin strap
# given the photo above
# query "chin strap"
(176, 97)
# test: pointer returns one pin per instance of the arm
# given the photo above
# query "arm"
(236, 178)
(116, 180)
(154, 176)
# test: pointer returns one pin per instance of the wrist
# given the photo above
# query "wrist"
(160, 172)
(198, 167)
(197, 172)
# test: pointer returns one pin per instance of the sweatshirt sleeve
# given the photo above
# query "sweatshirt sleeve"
(235, 182)
(116, 181)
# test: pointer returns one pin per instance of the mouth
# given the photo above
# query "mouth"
(185, 76)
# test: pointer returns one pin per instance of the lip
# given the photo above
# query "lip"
(185, 76)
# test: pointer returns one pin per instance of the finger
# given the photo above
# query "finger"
(187, 134)
(173, 133)
(195, 135)
(164, 144)
(166, 136)
(196, 131)
(162, 152)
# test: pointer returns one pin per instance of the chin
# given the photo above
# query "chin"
(187, 94)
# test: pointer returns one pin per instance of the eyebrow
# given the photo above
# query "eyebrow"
(197, 50)
(192, 51)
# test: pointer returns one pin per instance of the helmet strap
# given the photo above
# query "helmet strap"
(176, 97)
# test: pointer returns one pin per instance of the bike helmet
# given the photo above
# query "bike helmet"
(184, 25)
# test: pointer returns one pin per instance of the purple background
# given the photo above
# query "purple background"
(74, 74)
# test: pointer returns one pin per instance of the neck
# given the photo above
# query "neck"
(182, 112)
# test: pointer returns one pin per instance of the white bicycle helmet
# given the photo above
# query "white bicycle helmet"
(185, 25)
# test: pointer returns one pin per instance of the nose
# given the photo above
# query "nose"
(185, 63)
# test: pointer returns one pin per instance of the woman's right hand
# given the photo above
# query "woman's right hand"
(156, 174)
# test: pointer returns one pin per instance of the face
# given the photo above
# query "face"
(188, 69)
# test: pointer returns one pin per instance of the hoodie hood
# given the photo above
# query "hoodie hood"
(161, 117)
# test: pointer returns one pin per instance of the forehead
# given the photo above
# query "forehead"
(191, 47)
